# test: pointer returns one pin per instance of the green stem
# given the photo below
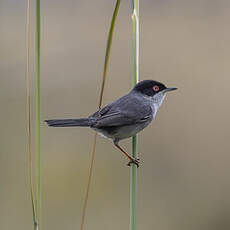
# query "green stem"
(38, 160)
(135, 77)
(108, 48)
(107, 55)
(28, 109)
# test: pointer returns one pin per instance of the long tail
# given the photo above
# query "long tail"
(69, 122)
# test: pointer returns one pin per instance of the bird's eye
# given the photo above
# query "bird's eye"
(156, 88)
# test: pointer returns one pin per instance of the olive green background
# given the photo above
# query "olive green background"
(183, 180)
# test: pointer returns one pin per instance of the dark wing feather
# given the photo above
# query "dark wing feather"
(127, 110)
(113, 119)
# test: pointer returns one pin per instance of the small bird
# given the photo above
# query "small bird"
(124, 117)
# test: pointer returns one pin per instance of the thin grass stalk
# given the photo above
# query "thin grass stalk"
(108, 48)
(28, 111)
(89, 182)
(107, 55)
(38, 144)
(135, 79)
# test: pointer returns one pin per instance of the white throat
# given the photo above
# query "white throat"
(157, 100)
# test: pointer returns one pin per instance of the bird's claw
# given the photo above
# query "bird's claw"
(135, 161)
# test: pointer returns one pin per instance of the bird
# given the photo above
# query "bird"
(124, 117)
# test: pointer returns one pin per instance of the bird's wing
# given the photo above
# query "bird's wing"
(122, 112)
(113, 119)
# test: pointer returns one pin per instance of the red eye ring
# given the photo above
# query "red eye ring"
(156, 88)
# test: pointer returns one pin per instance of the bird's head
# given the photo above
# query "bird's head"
(152, 89)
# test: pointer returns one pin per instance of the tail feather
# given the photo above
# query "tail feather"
(69, 122)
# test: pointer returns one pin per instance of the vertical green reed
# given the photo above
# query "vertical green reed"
(106, 61)
(108, 49)
(28, 110)
(135, 77)
(38, 152)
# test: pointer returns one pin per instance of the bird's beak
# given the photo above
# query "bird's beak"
(169, 89)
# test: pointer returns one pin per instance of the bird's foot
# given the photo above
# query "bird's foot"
(135, 161)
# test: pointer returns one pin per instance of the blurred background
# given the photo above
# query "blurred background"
(184, 175)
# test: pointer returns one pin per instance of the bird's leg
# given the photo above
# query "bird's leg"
(131, 158)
